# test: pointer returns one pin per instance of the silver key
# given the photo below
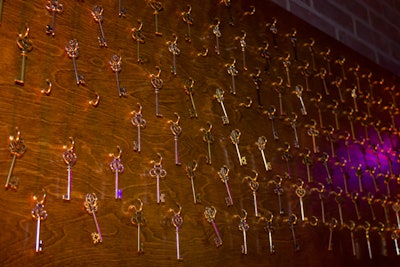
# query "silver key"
(157, 84)
(158, 172)
(157, 7)
(92, 207)
(286, 156)
(332, 226)
(339, 201)
(117, 167)
(254, 185)
(138, 220)
(321, 198)
(271, 111)
(278, 190)
(209, 214)
(242, 41)
(292, 222)
(261, 144)
(219, 96)
(176, 130)
(138, 121)
(224, 176)
(244, 227)
(308, 161)
(300, 193)
(72, 49)
(116, 66)
(70, 158)
(352, 226)
(313, 132)
(188, 19)
(270, 228)
(54, 7)
(209, 139)
(310, 46)
(175, 51)
(231, 69)
(367, 227)
(235, 137)
(190, 91)
(299, 94)
(370, 200)
(306, 73)
(138, 36)
(350, 117)
(286, 65)
(217, 32)
(395, 236)
(273, 29)
(322, 74)
(354, 199)
(191, 174)
(177, 222)
(325, 159)
(338, 83)
(97, 13)
(25, 45)
(396, 209)
(319, 105)
(280, 89)
(293, 119)
(17, 149)
(39, 214)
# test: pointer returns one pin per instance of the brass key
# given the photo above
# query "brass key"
(17, 149)
(25, 45)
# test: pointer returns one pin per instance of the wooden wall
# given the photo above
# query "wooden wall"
(46, 122)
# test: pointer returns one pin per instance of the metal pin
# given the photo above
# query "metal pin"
(17, 149)
(243, 47)
(231, 69)
(158, 172)
(313, 132)
(310, 46)
(300, 193)
(254, 185)
(177, 221)
(92, 207)
(191, 174)
(292, 222)
(321, 198)
(354, 199)
(286, 65)
(338, 83)
(138, 121)
(278, 190)
(39, 214)
(157, 7)
(209, 139)
(176, 130)
(116, 66)
(266, 55)
(271, 111)
(188, 19)
(274, 31)
(261, 144)
(175, 51)
(209, 214)
(308, 161)
(138, 220)
(332, 226)
(244, 227)
(48, 90)
(235, 136)
(325, 159)
(117, 167)
(188, 87)
(138, 36)
(257, 80)
(70, 158)
(280, 90)
(97, 13)
(54, 7)
(72, 49)
(217, 32)
(25, 45)
(299, 91)
(157, 84)
(121, 10)
(339, 200)
(219, 96)
(224, 176)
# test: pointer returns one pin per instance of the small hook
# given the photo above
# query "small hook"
(133, 207)
(140, 24)
(179, 209)
(35, 197)
(176, 38)
(17, 135)
(189, 9)
(95, 102)
(280, 79)
(246, 105)
(159, 72)
(159, 160)
(253, 10)
(48, 90)
(177, 119)
(140, 110)
(203, 54)
(72, 145)
(118, 156)
(252, 178)
(25, 34)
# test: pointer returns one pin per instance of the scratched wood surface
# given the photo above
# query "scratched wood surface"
(47, 122)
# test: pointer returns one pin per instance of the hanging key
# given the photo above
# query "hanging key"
(243, 227)
(271, 111)
(321, 196)
(371, 199)
(308, 161)
(356, 70)
(306, 73)
(188, 19)
(266, 55)
(380, 228)
(354, 199)
(367, 227)
(257, 80)
(176, 131)
(278, 190)
(286, 65)
(188, 87)
(384, 203)
(376, 126)
(313, 132)
(353, 93)
(70, 158)
(350, 117)
(39, 214)
(25, 45)
(359, 174)
(242, 41)
(329, 132)
(117, 167)
(157, 84)
(219, 96)
(261, 144)
(235, 137)
(231, 69)
(116, 66)
(371, 173)
(335, 112)
(286, 156)
(158, 172)
(319, 105)
(138, 121)
(138, 220)
(17, 149)
(300, 193)
(332, 225)
(340, 61)
(209, 139)
(292, 222)
(54, 7)
(339, 201)
(310, 46)
(209, 214)
(352, 226)
(97, 13)
(338, 83)
(292, 120)
(157, 7)
(92, 207)
(273, 29)
(229, 7)
(342, 165)
(224, 176)
(191, 174)
(217, 32)
(280, 90)
(396, 209)
(395, 236)
(121, 10)
(177, 221)
(324, 159)
(322, 74)
(293, 42)
(299, 93)
(175, 51)
(138, 36)
(327, 57)
(254, 185)
(269, 228)
(72, 49)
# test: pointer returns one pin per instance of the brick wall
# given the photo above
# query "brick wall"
(370, 27)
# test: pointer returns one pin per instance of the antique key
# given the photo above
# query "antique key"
(313, 132)
(231, 69)
(266, 55)
(175, 51)
(138, 121)
(261, 143)
(395, 236)
(286, 65)
(121, 10)
(223, 175)
(177, 222)
(117, 167)
(97, 13)
(327, 57)
(338, 83)
(322, 74)
(300, 193)
(92, 207)
(190, 91)
(370, 200)
(325, 159)
(176, 130)
(286, 156)
(54, 7)
(70, 158)
(329, 132)
(158, 172)
(280, 90)
(339, 200)
(306, 73)
(293, 119)
(310, 46)
(354, 199)
(209, 214)
(270, 228)
(217, 32)
(191, 174)
(72, 49)
(209, 139)
(293, 42)
(188, 19)
(332, 226)
(271, 111)
(274, 31)
(219, 96)
(138, 36)
(157, 84)
(278, 190)
(254, 185)
(157, 7)
(367, 228)
(292, 222)
(384, 203)
(257, 80)
(116, 66)
(351, 225)
(317, 101)
(359, 174)
(340, 61)
(39, 214)
(321, 198)
(335, 112)
(299, 93)
(242, 40)
(244, 227)
(350, 117)
(25, 45)
(17, 149)
(138, 220)
(308, 161)
(396, 209)
(356, 70)
(235, 136)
